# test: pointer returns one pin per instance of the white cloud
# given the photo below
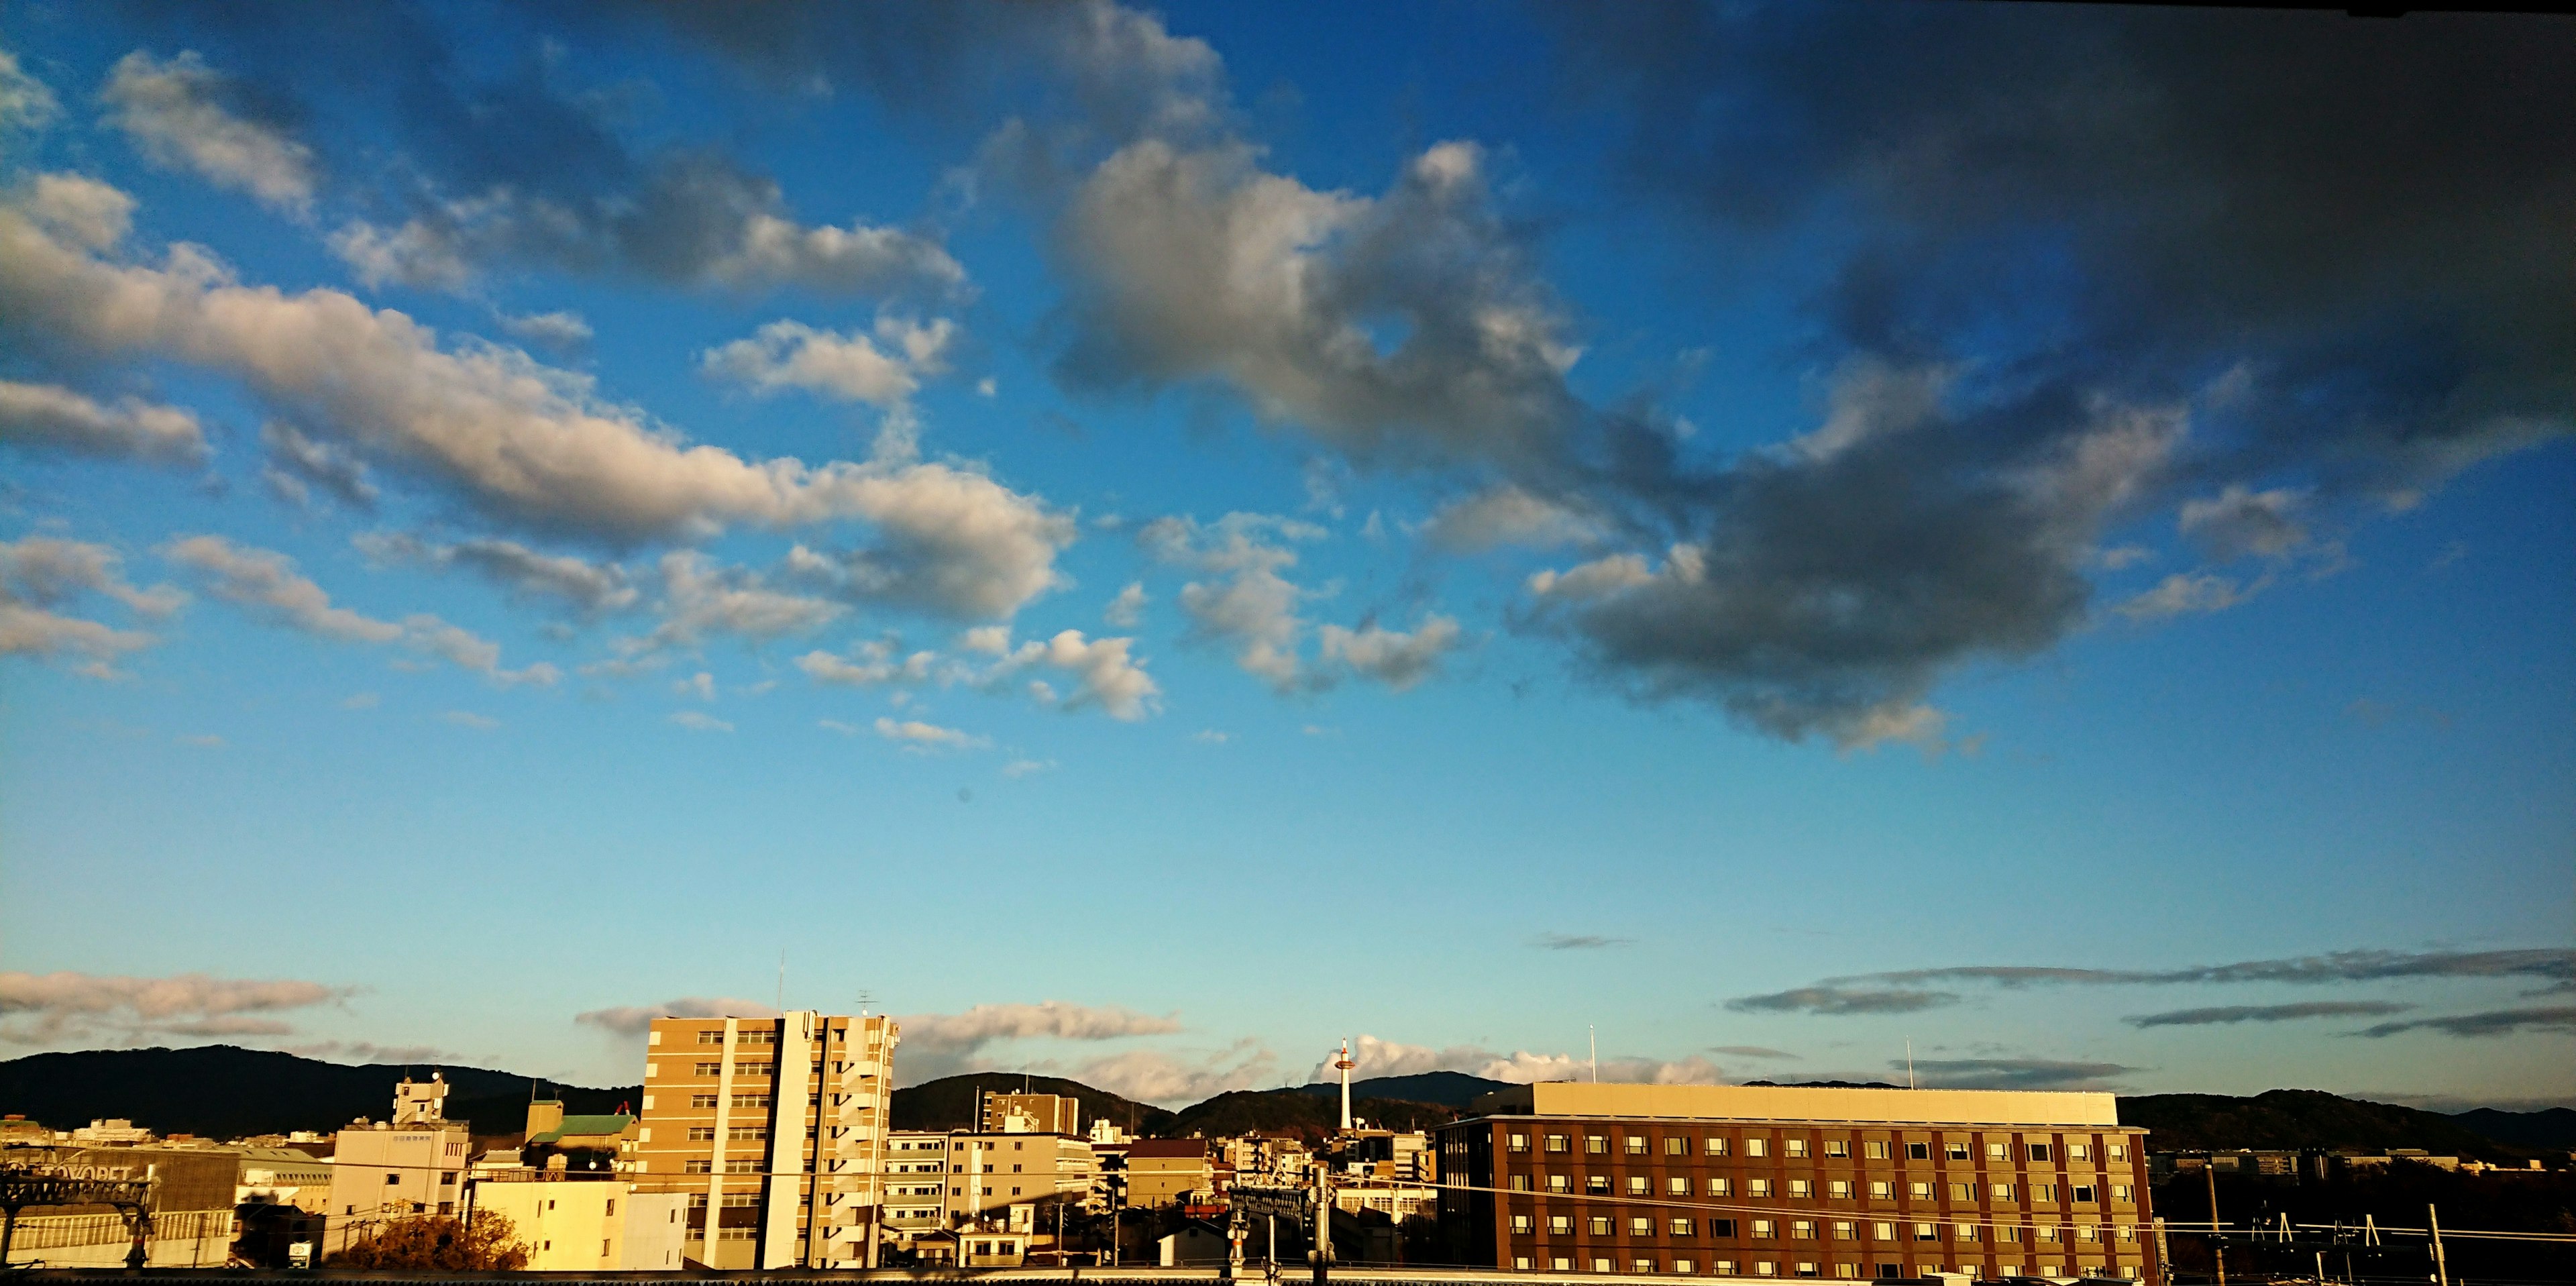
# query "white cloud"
(885, 371)
(25, 102)
(700, 598)
(266, 583)
(562, 331)
(591, 588)
(701, 685)
(1254, 607)
(2184, 594)
(2239, 521)
(1154, 1076)
(1128, 608)
(1212, 737)
(1028, 767)
(1377, 1057)
(524, 442)
(53, 1007)
(1107, 676)
(872, 662)
(54, 417)
(944, 1044)
(694, 224)
(1398, 660)
(916, 735)
(1507, 515)
(39, 574)
(700, 721)
(179, 115)
(1196, 264)
(469, 719)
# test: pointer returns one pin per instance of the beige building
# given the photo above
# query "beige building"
(774, 1131)
(411, 1165)
(1166, 1172)
(1796, 1181)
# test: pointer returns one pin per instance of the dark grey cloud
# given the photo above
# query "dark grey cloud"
(2228, 1014)
(459, 162)
(1838, 1000)
(1577, 942)
(2012, 1073)
(2331, 252)
(2557, 964)
(1908, 990)
(1752, 1051)
(2492, 1022)
(298, 463)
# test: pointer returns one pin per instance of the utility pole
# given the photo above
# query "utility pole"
(1323, 1250)
(2441, 1266)
(2164, 1253)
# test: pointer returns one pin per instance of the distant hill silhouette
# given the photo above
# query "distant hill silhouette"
(223, 1091)
(1449, 1089)
(2549, 1130)
(1300, 1112)
(949, 1103)
(2303, 1119)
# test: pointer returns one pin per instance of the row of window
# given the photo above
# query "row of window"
(739, 1100)
(707, 1133)
(1718, 1145)
(1838, 1189)
(756, 1036)
(1773, 1268)
(1813, 1229)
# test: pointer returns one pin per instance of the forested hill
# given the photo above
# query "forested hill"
(1294, 1111)
(223, 1091)
(949, 1103)
(2303, 1119)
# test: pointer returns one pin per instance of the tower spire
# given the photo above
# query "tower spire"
(1345, 1064)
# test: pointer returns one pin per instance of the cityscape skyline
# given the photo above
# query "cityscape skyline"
(1145, 542)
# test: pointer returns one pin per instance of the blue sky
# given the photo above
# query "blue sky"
(1152, 541)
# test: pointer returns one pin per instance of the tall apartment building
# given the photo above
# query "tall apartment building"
(775, 1129)
(1795, 1181)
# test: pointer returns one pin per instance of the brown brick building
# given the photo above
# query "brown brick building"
(1796, 1181)
(774, 1129)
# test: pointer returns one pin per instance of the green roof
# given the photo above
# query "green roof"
(585, 1126)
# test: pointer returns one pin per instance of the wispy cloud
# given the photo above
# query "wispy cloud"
(634, 1020)
(1751, 1051)
(1842, 1000)
(2492, 1022)
(1578, 942)
(2013, 1073)
(1908, 990)
(2222, 1014)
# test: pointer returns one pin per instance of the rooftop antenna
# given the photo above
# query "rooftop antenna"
(1594, 1039)
(1909, 1064)
(866, 998)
